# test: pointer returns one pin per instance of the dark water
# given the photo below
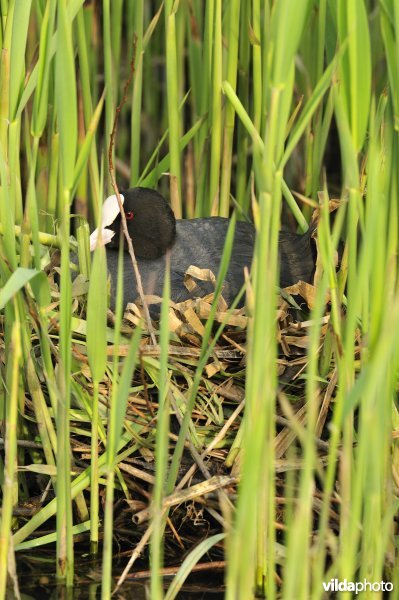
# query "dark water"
(36, 580)
(44, 589)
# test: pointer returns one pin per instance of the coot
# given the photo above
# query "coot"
(154, 229)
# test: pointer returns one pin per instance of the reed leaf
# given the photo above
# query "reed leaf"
(355, 72)
(66, 97)
(18, 47)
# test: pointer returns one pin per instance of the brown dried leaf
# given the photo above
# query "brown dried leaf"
(194, 321)
(193, 273)
(306, 290)
(235, 319)
(214, 367)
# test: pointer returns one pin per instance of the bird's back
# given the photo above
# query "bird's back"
(200, 242)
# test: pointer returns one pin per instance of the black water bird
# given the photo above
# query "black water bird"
(199, 242)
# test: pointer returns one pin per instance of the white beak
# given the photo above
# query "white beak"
(110, 211)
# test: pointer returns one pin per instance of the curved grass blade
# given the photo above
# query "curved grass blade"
(189, 562)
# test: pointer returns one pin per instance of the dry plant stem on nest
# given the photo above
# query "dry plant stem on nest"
(217, 565)
(197, 492)
(212, 444)
(201, 465)
(122, 211)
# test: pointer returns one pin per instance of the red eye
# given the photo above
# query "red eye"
(129, 216)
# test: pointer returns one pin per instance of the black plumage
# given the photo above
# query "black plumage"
(197, 242)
